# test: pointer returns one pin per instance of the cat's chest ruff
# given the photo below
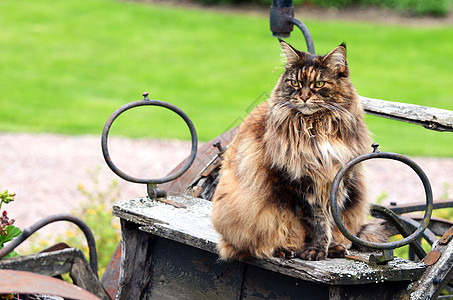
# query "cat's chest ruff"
(310, 155)
(334, 152)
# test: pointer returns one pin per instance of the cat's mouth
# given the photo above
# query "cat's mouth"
(306, 108)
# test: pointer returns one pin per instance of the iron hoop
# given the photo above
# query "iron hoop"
(389, 245)
(144, 102)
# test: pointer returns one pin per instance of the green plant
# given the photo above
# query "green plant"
(419, 7)
(7, 230)
(444, 213)
(382, 196)
(333, 3)
(219, 1)
(445, 191)
(96, 212)
(403, 252)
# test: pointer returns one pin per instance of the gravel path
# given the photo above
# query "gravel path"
(44, 171)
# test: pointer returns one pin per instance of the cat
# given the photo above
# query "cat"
(273, 193)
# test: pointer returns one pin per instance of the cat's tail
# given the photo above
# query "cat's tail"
(372, 232)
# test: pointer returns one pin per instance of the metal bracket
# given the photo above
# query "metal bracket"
(381, 258)
(282, 21)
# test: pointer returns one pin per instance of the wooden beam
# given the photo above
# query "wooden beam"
(438, 273)
(136, 258)
(428, 117)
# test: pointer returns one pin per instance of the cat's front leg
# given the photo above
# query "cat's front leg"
(318, 233)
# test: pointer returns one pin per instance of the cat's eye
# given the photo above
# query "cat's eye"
(295, 83)
(319, 84)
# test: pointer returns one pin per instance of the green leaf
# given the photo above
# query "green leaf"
(11, 233)
(2, 240)
(12, 254)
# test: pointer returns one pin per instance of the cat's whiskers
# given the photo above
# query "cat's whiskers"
(338, 108)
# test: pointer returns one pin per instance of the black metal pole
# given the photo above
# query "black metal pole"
(280, 12)
(282, 21)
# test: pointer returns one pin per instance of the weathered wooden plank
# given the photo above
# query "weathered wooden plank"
(369, 291)
(428, 117)
(264, 284)
(184, 272)
(136, 258)
(343, 271)
(438, 273)
(82, 275)
(50, 263)
(192, 226)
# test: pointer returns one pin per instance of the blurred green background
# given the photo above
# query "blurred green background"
(65, 66)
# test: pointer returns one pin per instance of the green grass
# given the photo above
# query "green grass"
(65, 66)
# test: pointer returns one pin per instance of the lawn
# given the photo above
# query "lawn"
(65, 66)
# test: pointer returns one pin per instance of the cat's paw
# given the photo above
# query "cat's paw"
(312, 254)
(337, 251)
(285, 253)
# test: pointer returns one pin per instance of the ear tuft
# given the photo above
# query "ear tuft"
(336, 59)
(291, 54)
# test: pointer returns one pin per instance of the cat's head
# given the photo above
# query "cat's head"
(313, 83)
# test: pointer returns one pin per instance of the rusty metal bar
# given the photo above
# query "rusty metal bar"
(51, 219)
(401, 226)
(404, 209)
(22, 282)
(428, 235)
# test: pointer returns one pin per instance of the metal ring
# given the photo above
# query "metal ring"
(390, 245)
(144, 102)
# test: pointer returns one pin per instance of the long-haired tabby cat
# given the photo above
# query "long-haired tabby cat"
(275, 178)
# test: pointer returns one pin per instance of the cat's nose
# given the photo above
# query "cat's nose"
(304, 95)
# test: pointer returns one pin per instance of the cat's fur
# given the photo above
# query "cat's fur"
(275, 180)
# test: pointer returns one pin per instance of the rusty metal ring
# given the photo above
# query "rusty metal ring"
(144, 102)
(390, 245)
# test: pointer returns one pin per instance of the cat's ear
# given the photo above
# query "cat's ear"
(336, 60)
(291, 54)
